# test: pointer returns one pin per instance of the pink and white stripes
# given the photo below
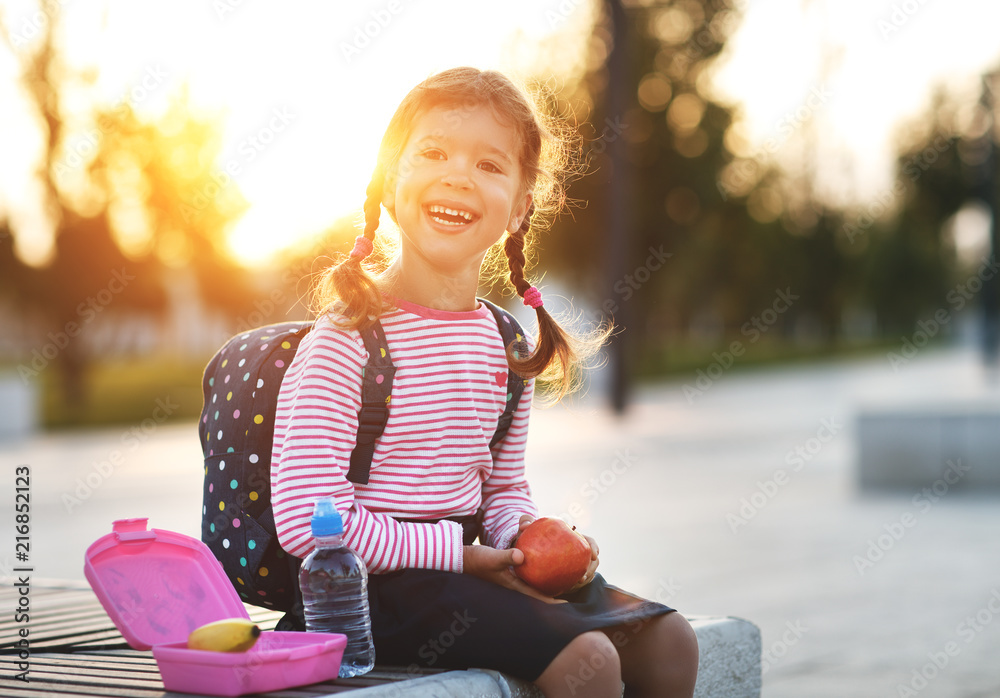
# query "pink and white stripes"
(432, 461)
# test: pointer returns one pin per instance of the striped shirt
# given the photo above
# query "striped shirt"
(432, 461)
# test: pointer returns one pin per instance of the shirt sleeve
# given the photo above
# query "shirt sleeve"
(506, 493)
(316, 424)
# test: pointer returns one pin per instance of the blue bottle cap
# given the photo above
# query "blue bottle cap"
(326, 519)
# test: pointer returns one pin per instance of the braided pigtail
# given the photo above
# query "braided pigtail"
(554, 358)
(358, 298)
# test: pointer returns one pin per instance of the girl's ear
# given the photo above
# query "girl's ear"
(519, 212)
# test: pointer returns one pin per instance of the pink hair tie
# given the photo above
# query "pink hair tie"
(533, 298)
(362, 247)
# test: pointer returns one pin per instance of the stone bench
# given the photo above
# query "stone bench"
(71, 636)
(729, 667)
(951, 443)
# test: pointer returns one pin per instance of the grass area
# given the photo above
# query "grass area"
(680, 359)
(125, 392)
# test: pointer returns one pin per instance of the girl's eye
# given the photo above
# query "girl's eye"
(490, 167)
(433, 154)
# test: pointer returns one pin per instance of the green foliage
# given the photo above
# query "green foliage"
(125, 392)
(691, 197)
(682, 359)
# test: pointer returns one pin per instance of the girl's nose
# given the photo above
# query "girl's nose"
(456, 177)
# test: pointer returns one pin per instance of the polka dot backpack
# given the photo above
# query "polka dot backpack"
(240, 386)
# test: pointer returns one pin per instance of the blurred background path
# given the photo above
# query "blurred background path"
(660, 489)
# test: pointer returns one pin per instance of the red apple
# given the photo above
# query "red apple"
(555, 555)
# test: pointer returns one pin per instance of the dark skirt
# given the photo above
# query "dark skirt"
(430, 618)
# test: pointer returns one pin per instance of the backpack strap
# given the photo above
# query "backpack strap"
(376, 390)
(512, 334)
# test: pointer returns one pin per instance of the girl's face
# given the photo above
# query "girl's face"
(456, 188)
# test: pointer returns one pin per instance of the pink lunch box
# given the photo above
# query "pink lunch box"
(157, 586)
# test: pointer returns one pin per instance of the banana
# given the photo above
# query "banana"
(226, 635)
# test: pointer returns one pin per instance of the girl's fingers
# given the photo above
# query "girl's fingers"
(520, 586)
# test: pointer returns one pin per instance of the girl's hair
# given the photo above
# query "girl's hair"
(350, 290)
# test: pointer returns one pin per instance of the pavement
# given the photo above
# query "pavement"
(738, 501)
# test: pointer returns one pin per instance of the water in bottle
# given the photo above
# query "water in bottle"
(334, 584)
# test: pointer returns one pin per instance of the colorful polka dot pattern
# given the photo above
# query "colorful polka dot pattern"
(237, 425)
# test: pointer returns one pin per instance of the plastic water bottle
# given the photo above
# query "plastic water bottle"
(334, 584)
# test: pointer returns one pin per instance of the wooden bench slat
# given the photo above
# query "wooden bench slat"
(41, 659)
(71, 672)
(46, 688)
(77, 651)
(42, 668)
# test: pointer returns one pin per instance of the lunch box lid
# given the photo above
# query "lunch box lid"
(156, 585)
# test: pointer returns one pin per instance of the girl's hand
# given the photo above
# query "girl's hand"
(588, 576)
(495, 566)
(522, 524)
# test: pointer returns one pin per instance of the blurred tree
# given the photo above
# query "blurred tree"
(148, 200)
(716, 231)
(167, 197)
(17, 279)
(910, 266)
(89, 275)
(707, 249)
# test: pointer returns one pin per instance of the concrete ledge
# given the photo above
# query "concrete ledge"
(729, 662)
(452, 684)
(729, 668)
(914, 447)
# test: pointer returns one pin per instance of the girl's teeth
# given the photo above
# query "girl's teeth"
(454, 213)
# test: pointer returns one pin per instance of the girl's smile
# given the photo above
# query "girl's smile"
(441, 214)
